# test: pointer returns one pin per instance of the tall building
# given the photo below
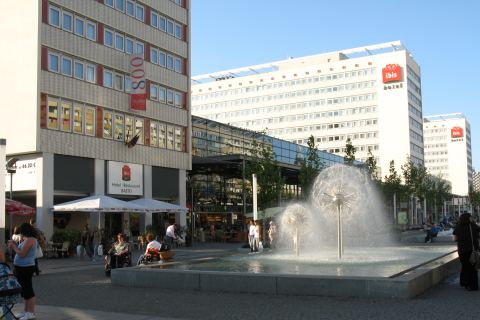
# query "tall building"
(476, 181)
(371, 95)
(96, 102)
(448, 150)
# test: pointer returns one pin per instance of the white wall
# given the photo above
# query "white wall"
(19, 62)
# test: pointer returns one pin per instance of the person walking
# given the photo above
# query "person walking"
(85, 241)
(170, 234)
(466, 235)
(24, 267)
(257, 237)
(251, 235)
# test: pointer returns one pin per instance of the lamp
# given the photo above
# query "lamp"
(11, 168)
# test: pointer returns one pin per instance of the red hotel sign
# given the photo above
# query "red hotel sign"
(391, 73)
(456, 132)
(138, 97)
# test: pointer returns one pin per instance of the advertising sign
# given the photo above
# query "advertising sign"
(456, 132)
(392, 73)
(138, 96)
(25, 177)
(402, 217)
(125, 178)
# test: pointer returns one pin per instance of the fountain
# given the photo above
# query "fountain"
(344, 206)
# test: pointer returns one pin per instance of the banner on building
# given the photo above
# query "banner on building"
(25, 176)
(456, 132)
(125, 178)
(138, 96)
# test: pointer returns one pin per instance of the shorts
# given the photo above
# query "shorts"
(24, 276)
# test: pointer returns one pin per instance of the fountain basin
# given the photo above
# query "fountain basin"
(201, 275)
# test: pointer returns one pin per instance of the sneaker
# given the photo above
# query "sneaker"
(28, 316)
(21, 314)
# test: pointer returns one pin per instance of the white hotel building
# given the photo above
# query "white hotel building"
(448, 150)
(371, 95)
(67, 108)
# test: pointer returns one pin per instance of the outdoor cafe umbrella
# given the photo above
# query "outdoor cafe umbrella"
(98, 203)
(153, 205)
(15, 208)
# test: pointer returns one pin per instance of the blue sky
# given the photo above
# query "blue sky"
(443, 37)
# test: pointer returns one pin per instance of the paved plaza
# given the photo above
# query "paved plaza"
(78, 289)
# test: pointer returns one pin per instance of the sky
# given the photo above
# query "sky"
(443, 37)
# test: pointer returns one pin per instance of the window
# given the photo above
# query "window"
(178, 139)
(162, 94)
(77, 118)
(178, 100)
(66, 124)
(153, 134)
(128, 46)
(170, 27)
(139, 48)
(130, 8)
(153, 92)
(109, 3)
(107, 79)
(140, 12)
(170, 138)
(79, 26)
(119, 127)
(163, 24)
(90, 121)
(54, 16)
(67, 66)
(119, 44)
(162, 57)
(67, 22)
(108, 39)
(78, 70)
(170, 97)
(107, 124)
(161, 136)
(128, 128)
(91, 73)
(53, 62)
(178, 31)
(128, 84)
(154, 19)
(91, 31)
(120, 5)
(139, 130)
(170, 62)
(178, 65)
(154, 55)
(52, 117)
(119, 82)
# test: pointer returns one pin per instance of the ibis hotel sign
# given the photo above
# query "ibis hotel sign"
(138, 96)
(456, 133)
(125, 178)
(392, 73)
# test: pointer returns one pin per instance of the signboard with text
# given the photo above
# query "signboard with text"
(392, 73)
(125, 178)
(138, 96)
(25, 177)
(456, 132)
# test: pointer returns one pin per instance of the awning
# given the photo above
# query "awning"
(153, 205)
(269, 213)
(15, 208)
(98, 203)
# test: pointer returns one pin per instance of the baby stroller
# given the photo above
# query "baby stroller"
(113, 262)
(154, 255)
(10, 291)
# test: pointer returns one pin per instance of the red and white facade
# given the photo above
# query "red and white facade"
(448, 150)
(81, 80)
(371, 95)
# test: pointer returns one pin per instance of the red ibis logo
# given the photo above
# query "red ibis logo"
(126, 173)
(391, 73)
(456, 132)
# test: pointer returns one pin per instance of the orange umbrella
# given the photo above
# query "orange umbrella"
(15, 208)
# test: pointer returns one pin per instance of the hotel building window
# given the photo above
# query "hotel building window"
(77, 118)
(119, 124)
(66, 124)
(90, 121)
(107, 124)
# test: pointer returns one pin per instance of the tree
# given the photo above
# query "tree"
(310, 166)
(438, 190)
(371, 164)
(350, 150)
(392, 186)
(415, 179)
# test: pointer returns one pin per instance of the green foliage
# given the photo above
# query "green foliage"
(150, 229)
(310, 167)
(393, 183)
(371, 164)
(62, 235)
(350, 150)
(415, 178)
(269, 178)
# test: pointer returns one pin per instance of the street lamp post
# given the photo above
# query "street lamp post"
(11, 168)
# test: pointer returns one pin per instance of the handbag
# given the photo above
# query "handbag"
(39, 252)
(475, 255)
